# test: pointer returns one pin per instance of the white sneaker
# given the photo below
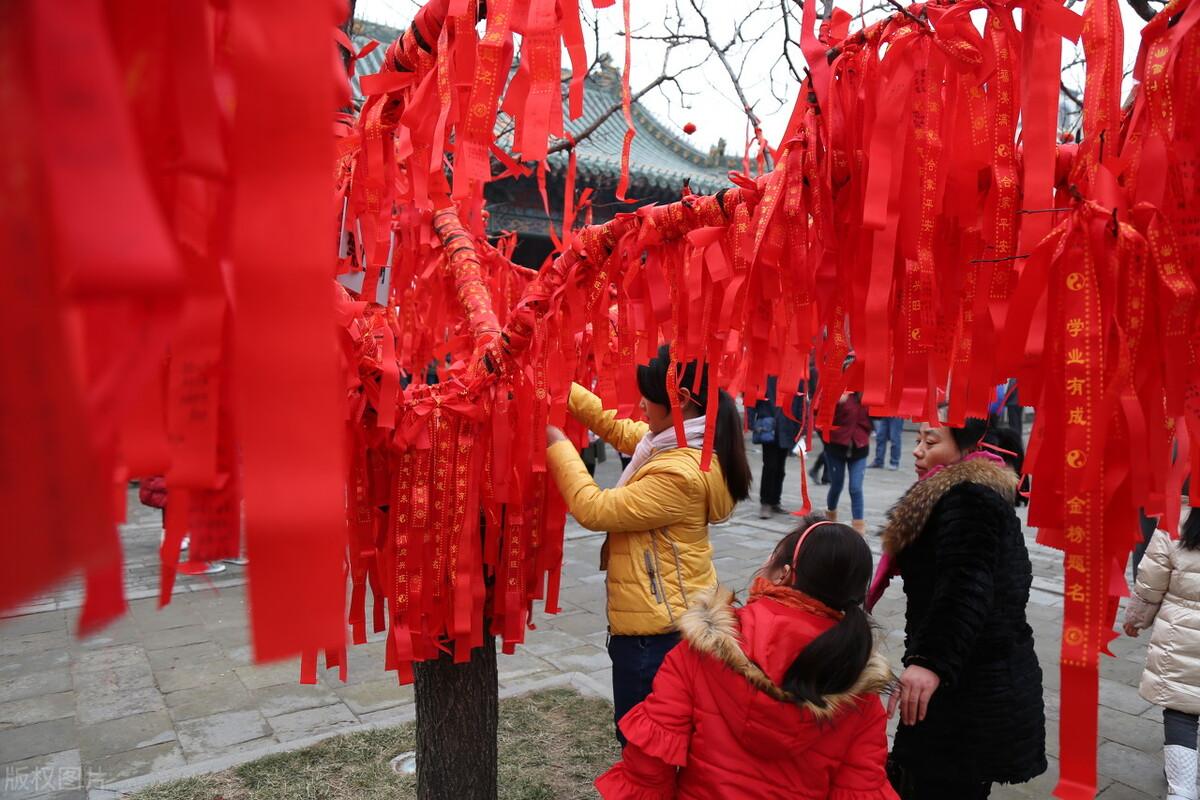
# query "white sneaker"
(1179, 764)
(200, 568)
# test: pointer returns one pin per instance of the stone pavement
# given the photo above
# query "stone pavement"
(162, 691)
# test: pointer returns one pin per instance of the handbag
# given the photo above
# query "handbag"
(763, 431)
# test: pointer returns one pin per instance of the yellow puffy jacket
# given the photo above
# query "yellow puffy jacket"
(657, 552)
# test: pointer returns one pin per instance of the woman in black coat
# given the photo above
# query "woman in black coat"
(971, 694)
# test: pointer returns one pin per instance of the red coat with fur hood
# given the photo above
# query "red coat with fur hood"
(716, 725)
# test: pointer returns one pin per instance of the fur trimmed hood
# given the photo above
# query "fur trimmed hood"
(907, 518)
(711, 627)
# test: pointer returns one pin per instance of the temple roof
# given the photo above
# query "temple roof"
(659, 159)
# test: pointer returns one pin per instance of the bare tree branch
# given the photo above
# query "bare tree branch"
(1071, 94)
(1142, 8)
(663, 77)
(787, 40)
(747, 106)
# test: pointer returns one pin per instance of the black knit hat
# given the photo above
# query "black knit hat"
(652, 379)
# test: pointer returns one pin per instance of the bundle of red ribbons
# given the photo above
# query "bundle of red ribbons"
(922, 213)
(911, 219)
(166, 298)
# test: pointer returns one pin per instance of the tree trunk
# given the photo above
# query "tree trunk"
(457, 708)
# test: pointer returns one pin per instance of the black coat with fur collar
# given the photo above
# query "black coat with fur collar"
(960, 550)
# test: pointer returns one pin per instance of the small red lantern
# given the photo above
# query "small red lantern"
(689, 129)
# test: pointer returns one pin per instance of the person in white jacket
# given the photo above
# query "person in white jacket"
(1167, 596)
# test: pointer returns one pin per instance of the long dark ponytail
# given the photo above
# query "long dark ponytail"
(729, 444)
(833, 567)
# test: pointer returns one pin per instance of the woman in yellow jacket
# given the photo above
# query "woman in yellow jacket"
(657, 552)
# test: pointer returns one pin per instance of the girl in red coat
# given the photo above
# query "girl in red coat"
(778, 698)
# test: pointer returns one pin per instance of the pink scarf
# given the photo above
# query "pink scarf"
(887, 568)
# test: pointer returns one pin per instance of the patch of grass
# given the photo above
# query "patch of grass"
(552, 745)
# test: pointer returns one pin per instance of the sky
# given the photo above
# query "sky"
(704, 96)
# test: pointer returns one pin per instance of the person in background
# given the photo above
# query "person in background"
(1167, 597)
(594, 453)
(818, 471)
(1147, 526)
(971, 693)
(657, 552)
(846, 448)
(1014, 410)
(1150, 524)
(1007, 443)
(888, 430)
(153, 492)
(778, 698)
(777, 434)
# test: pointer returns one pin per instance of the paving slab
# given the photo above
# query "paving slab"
(178, 677)
(39, 739)
(1137, 732)
(311, 722)
(258, 676)
(42, 708)
(140, 761)
(35, 684)
(184, 654)
(20, 643)
(580, 624)
(379, 695)
(1122, 697)
(127, 733)
(1132, 767)
(546, 641)
(521, 664)
(274, 701)
(35, 662)
(177, 637)
(110, 703)
(46, 776)
(202, 701)
(1119, 791)
(108, 658)
(587, 658)
(205, 737)
(46, 622)
(174, 615)
(126, 678)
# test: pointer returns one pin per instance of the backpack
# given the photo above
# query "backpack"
(763, 431)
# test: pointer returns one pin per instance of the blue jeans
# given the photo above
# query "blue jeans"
(837, 459)
(635, 661)
(888, 429)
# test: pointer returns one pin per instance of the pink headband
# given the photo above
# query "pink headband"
(803, 536)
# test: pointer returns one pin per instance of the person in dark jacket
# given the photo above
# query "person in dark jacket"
(1013, 409)
(971, 694)
(846, 448)
(776, 433)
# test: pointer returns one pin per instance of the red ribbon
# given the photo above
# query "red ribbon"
(295, 521)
